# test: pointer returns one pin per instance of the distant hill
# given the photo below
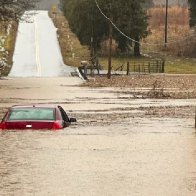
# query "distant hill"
(171, 2)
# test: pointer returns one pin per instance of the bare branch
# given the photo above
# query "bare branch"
(14, 9)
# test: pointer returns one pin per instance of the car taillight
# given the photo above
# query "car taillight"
(3, 125)
(56, 125)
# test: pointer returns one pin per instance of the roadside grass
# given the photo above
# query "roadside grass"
(72, 51)
(8, 46)
(173, 65)
(117, 62)
(180, 65)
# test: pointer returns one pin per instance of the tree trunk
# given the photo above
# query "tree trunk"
(110, 51)
(137, 47)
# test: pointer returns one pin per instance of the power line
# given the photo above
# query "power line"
(131, 39)
(114, 24)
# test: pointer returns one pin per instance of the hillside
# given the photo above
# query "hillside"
(72, 50)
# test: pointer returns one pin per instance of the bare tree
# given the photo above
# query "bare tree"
(13, 9)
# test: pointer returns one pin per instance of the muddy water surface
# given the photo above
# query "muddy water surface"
(119, 146)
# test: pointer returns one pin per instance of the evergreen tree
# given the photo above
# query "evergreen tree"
(133, 22)
(192, 4)
(87, 22)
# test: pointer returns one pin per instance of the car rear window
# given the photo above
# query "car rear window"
(32, 114)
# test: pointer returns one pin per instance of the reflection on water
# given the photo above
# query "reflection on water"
(117, 160)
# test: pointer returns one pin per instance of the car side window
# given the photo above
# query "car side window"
(64, 115)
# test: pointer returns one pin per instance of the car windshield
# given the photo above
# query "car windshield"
(32, 114)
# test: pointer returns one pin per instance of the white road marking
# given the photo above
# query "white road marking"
(37, 49)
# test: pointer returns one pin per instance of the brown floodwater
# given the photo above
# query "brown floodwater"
(119, 146)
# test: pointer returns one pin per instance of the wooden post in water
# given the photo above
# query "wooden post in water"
(85, 70)
(195, 117)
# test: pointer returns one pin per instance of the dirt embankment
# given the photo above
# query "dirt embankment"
(153, 86)
(72, 50)
(8, 33)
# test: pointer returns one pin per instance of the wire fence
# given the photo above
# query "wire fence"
(146, 67)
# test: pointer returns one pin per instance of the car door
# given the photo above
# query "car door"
(64, 116)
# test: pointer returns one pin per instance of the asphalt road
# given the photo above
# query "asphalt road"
(37, 52)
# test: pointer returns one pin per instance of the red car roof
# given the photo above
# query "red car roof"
(35, 105)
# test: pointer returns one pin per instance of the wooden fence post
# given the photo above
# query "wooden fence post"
(163, 66)
(127, 68)
(97, 65)
(85, 70)
(195, 117)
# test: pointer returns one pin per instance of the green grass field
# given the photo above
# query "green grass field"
(181, 65)
(172, 65)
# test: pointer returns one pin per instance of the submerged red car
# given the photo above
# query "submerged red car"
(40, 116)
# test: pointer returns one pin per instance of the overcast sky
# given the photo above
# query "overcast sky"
(46, 4)
(171, 2)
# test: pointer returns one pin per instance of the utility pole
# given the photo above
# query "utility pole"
(166, 22)
(92, 37)
(110, 51)
(110, 45)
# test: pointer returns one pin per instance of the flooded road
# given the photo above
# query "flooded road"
(119, 146)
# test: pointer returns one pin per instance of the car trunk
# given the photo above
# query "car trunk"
(29, 125)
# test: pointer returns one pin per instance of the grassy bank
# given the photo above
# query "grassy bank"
(172, 65)
(72, 51)
(181, 65)
(7, 46)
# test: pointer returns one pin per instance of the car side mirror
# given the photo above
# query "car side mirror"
(72, 120)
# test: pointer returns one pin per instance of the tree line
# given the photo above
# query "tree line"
(130, 16)
(89, 24)
(192, 8)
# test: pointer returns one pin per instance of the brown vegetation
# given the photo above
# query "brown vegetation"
(177, 16)
(9, 44)
(72, 51)
(181, 39)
